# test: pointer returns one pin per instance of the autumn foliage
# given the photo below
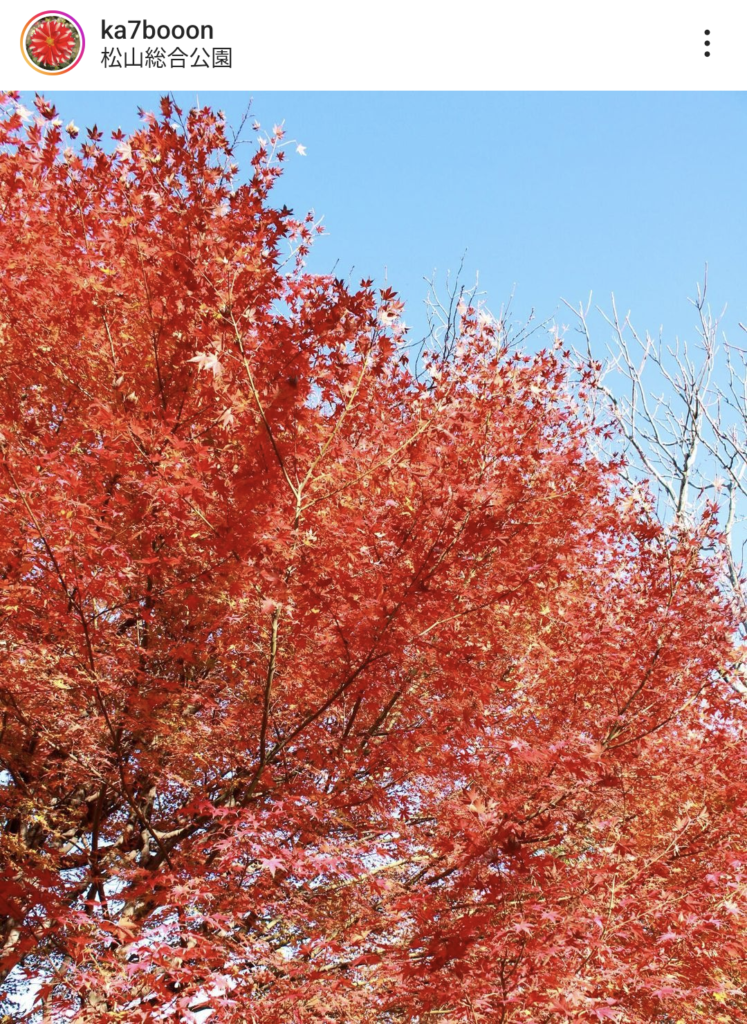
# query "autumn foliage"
(335, 687)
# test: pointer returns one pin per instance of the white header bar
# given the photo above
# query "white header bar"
(326, 44)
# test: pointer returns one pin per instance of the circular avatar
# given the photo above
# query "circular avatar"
(52, 42)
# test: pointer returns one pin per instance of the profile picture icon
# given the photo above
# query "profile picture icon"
(52, 42)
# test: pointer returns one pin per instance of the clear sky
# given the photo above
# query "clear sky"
(553, 194)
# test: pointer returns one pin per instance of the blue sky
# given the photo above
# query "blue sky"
(551, 194)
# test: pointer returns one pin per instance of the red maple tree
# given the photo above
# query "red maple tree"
(330, 692)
